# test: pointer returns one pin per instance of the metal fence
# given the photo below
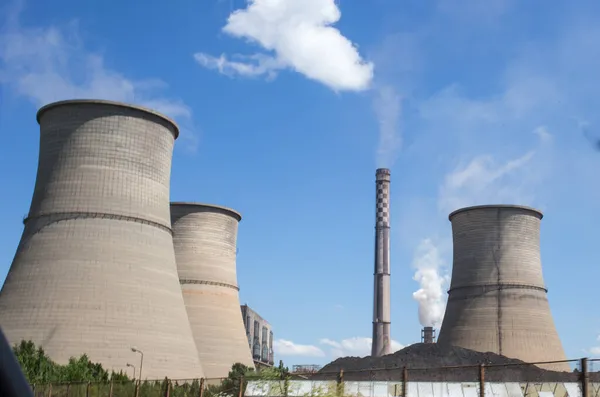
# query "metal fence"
(150, 388)
(494, 380)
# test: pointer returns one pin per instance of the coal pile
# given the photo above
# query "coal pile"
(426, 362)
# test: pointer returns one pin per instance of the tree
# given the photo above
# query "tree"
(230, 386)
(38, 368)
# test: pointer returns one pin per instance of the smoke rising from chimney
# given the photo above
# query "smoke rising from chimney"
(430, 296)
(388, 110)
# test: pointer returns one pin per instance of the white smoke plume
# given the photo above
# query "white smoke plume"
(388, 109)
(430, 296)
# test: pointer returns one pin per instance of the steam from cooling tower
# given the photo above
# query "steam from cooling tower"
(388, 110)
(430, 295)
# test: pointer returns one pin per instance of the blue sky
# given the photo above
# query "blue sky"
(287, 108)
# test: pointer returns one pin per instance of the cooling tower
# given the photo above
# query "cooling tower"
(205, 239)
(497, 299)
(95, 269)
(381, 294)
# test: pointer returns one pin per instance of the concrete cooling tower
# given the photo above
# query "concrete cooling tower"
(381, 294)
(95, 269)
(205, 239)
(497, 299)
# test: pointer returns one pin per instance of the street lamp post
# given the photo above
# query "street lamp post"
(133, 349)
(132, 366)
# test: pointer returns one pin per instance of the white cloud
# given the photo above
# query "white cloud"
(484, 180)
(356, 346)
(50, 63)
(297, 35)
(543, 134)
(431, 295)
(285, 347)
(596, 349)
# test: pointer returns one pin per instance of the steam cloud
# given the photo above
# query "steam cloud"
(388, 110)
(430, 296)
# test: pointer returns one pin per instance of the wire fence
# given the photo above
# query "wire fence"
(570, 378)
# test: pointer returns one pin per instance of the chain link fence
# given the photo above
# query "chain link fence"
(578, 378)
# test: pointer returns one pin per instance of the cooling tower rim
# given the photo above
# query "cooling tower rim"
(143, 109)
(231, 211)
(496, 206)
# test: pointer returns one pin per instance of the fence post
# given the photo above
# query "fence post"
(481, 380)
(404, 381)
(167, 391)
(340, 384)
(201, 392)
(241, 392)
(110, 390)
(585, 378)
(50, 390)
(87, 390)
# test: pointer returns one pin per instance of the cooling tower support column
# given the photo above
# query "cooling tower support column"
(95, 269)
(381, 294)
(497, 299)
(205, 239)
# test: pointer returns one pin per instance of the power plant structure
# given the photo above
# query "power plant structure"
(260, 337)
(428, 335)
(205, 241)
(95, 269)
(497, 299)
(381, 342)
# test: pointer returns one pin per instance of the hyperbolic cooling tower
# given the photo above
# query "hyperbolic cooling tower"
(205, 239)
(497, 299)
(381, 294)
(95, 269)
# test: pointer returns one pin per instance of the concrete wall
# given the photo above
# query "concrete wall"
(300, 388)
(497, 299)
(205, 239)
(95, 269)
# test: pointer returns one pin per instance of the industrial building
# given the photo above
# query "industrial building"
(260, 337)
(95, 269)
(205, 241)
(497, 299)
(107, 267)
(381, 342)
(428, 335)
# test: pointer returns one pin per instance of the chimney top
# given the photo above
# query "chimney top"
(428, 335)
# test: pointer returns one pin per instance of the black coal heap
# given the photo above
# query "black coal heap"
(425, 362)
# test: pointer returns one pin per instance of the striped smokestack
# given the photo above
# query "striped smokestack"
(381, 293)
